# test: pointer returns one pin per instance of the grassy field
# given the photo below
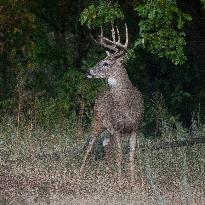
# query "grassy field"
(41, 166)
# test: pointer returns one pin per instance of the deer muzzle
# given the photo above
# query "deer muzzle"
(90, 74)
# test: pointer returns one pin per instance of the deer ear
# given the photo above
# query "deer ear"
(108, 53)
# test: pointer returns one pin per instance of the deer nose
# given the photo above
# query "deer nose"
(90, 74)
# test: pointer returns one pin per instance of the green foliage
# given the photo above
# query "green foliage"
(179, 95)
(161, 29)
(203, 2)
(46, 52)
(74, 92)
(17, 22)
(102, 14)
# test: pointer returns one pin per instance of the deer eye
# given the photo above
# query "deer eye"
(105, 64)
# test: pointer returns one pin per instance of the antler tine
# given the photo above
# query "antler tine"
(113, 45)
(118, 44)
(126, 33)
(102, 41)
(118, 35)
(113, 33)
(125, 46)
(101, 34)
(108, 46)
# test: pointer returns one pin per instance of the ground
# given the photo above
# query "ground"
(42, 167)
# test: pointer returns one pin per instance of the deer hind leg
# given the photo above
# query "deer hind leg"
(107, 143)
(132, 156)
(118, 155)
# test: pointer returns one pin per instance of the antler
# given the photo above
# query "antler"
(114, 45)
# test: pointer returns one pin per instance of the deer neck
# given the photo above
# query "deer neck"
(119, 83)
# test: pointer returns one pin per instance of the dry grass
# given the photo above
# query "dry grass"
(41, 167)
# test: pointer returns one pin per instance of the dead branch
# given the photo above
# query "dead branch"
(176, 144)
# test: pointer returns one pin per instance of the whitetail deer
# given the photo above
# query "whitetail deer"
(119, 109)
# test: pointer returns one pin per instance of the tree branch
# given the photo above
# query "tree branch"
(168, 145)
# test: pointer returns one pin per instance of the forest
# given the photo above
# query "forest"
(46, 51)
(46, 100)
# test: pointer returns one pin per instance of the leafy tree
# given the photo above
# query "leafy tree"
(104, 13)
(17, 23)
(45, 51)
(161, 29)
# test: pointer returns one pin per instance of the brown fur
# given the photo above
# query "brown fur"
(119, 109)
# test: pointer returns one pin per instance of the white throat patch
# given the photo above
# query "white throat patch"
(112, 81)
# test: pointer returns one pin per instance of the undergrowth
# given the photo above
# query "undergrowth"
(40, 165)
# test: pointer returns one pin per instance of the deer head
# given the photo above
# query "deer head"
(107, 67)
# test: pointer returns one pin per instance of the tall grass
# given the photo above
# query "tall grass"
(41, 166)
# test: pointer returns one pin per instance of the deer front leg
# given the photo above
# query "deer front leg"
(132, 156)
(97, 129)
(118, 155)
(89, 149)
